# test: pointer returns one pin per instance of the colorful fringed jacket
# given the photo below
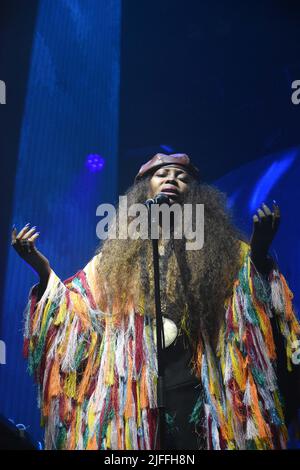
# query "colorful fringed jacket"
(97, 378)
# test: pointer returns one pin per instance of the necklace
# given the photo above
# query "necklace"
(170, 331)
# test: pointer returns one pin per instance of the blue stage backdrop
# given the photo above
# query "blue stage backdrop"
(71, 113)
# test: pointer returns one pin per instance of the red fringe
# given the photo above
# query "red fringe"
(114, 395)
(26, 348)
(152, 416)
(237, 397)
(139, 357)
(82, 277)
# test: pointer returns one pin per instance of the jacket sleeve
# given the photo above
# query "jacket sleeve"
(253, 360)
(62, 335)
(270, 290)
(286, 333)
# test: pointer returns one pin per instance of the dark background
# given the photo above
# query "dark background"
(208, 78)
(17, 21)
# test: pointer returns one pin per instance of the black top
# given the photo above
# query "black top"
(183, 389)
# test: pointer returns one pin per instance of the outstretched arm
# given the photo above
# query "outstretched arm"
(24, 244)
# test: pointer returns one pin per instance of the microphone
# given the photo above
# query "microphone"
(160, 198)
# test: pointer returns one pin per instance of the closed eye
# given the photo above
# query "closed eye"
(181, 176)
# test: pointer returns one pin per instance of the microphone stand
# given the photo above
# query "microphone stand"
(160, 337)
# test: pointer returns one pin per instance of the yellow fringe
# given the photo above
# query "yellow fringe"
(70, 384)
(61, 315)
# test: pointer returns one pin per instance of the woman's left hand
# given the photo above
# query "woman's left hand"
(265, 226)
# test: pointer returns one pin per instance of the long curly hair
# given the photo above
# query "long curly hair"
(194, 283)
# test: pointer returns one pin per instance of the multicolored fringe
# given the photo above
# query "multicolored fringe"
(243, 408)
(96, 379)
(97, 376)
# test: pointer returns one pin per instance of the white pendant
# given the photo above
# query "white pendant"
(170, 331)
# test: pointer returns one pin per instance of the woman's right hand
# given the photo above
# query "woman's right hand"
(24, 244)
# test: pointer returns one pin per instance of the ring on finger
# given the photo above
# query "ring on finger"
(26, 245)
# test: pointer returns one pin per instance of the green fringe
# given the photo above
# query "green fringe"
(171, 425)
(85, 437)
(39, 350)
(78, 284)
(250, 445)
(258, 376)
(79, 353)
(61, 438)
(196, 413)
(262, 289)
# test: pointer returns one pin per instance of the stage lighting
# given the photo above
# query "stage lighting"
(270, 177)
(95, 163)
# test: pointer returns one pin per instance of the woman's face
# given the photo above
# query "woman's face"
(170, 180)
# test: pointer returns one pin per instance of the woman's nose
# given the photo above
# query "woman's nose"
(171, 179)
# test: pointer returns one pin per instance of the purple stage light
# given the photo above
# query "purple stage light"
(95, 162)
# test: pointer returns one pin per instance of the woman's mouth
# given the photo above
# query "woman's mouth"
(170, 189)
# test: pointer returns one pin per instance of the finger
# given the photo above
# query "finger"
(276, 217)
(22, 232)
(13, 235)
(276, 210)
(261, 214)
(257, 221)
(15, 242)
(29, 233)
(34, 237)
(268, 220)
(266, 210)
